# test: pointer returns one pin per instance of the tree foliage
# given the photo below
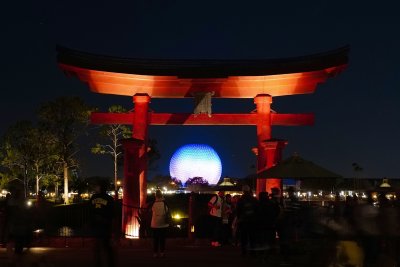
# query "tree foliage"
(196, 184)
(161, 181)
(27, 152)
(66, 118)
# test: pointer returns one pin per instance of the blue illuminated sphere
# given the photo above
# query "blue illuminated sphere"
(196, 160)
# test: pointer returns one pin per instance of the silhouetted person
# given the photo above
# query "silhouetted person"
(215, 205)
(267, 216)
(227, 219)
(159, 224)
(246, 216)
(102, 206)
(289, 224)
(367, 227)
(3, 220)
(19, 221)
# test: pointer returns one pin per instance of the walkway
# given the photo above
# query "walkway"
(138, 253)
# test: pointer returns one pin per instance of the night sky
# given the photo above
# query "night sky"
(357, 112)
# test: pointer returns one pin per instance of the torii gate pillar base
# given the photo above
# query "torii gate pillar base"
(273, 150)
(133, 167)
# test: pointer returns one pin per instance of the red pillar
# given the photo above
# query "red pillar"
(140, 129)
(263, 105)
(131, 188)
(273, 149)
(135, 167)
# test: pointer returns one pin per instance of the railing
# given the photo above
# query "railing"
(69, 223)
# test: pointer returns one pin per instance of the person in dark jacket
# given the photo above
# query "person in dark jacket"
(246, 216)
(102, 206)
(267, 217)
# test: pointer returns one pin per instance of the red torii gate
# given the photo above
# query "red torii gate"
(144, 79)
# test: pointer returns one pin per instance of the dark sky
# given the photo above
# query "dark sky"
(357, 113)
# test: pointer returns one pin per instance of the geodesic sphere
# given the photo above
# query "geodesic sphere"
(196, 160)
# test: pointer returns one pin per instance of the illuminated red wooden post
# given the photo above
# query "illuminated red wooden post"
(273, 149)
(131, 188)
(135, 167)
(140, 129)
(263, 104)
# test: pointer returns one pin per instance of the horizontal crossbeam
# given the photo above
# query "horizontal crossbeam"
(203, 119)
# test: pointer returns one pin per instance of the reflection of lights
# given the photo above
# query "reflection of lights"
(192, 229)
(179, 226)
(40, 249)
(309, 194)
(38, 231)
(65, 231)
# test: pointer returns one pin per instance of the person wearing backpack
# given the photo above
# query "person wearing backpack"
(159, 224)
(215, 206)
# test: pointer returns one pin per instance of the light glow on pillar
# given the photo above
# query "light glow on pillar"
(132, 224)
(132, 231)
(196, 160)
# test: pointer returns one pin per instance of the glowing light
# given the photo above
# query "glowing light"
(192, 229)
(132, 231)
(177, 216)
(29, 203)
(65, 231)
(196, 160)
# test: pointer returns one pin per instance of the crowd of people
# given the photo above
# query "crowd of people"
(367, 231)
(363, 232)
(253, 223)
(359, 233)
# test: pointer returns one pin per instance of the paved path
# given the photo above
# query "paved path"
(178, 255)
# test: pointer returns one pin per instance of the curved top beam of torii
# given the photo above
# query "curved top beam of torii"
(182, 78)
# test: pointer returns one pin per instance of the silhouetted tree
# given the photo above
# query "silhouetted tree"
(196, 183)
(27, 151)
(66, 118)
(112, 136)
